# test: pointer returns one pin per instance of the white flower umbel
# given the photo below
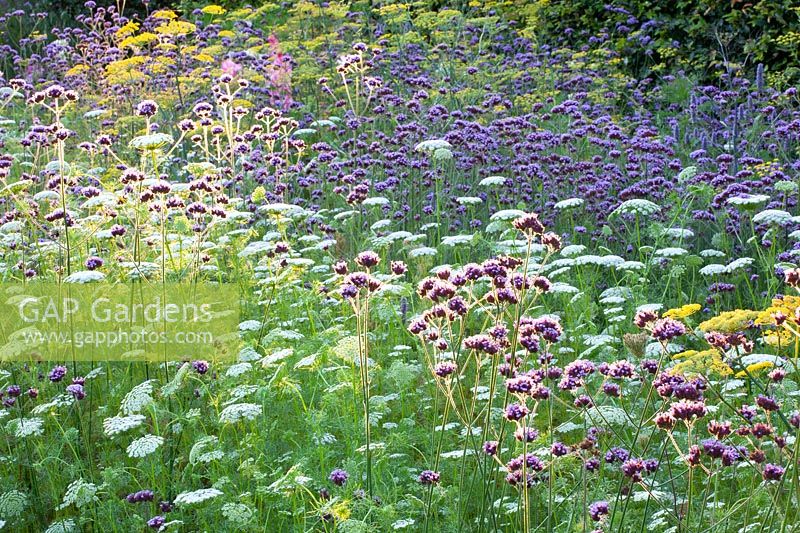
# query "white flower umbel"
(26, 427)
(120, 424)
(773, 217)
(569, 203)
(144, 446)
(637, 206)
(432, 145)
(85, 276)
(196, 496)
(79, 493)
(240, 411)
(137, 399)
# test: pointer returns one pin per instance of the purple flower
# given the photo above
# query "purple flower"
(146, 108)
(77, 391)
(444, 369)
(201, 367)
(368, 259)
(516, 411)
(773, 472)
(140, 496)
(429, 477)
(559, 449)
(156, 522)
(58, 373)
(688, 409)
(767, 403)
(93, 263)
(526, 434)
(339, 477)
(598, 510)
(667, 329)
(398, 267)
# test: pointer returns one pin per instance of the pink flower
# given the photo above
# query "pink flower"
(231, 68)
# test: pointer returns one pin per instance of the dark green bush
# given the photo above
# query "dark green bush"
(701, 36)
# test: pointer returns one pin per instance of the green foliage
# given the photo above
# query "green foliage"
(703, 37)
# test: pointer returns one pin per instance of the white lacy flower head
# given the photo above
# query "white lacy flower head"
(138, 398)
(62, 526)
(240, 411)
(153, 141)
(12, 503)
(281, 208)
(442, 154)
(630, 265)
(120, 424)
(507, 214)
(748, 200)
(711, 253)
(144, 446)
(455, 240)
(774, 217)
(196, 496)
(26, 427)
(237, 513)
(687, 174)
(376, 200)
(85, 276)
(468, 200)
(786, 186)
(492, 181)
(569, 203)
(79, 493)
(422, 251)
(432, 145)
(678, 233)
(238, 369)
(636, 206)
(671, 252)
(604, 261)
(572, 250)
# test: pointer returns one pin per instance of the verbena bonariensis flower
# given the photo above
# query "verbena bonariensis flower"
(76, 390)
(58, 373)
(140, 496)
(773, 472)
(688, 410)
(201, 367)
(666, 329)
(444, 369)
(516, 411)
(598, 510)
(768, 403)
(338, 477)
(428, 477)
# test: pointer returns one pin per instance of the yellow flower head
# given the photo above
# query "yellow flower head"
(176, 27)
(729, 321)
(76, 70)
(755, 367)
(703, 362)
(128, 29)
(682, 312)
(213, 10)
(138, 40)
(164, 14)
